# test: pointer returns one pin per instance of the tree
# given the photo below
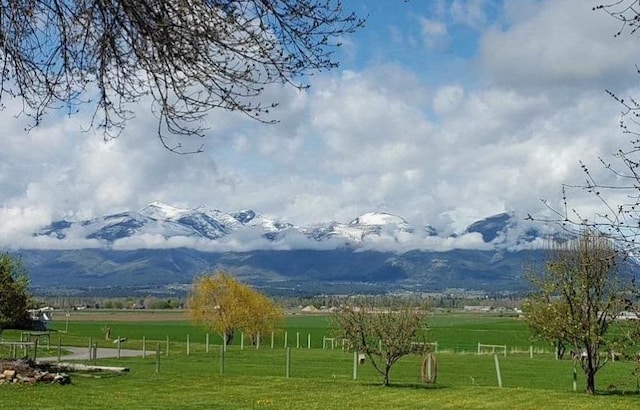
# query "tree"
(189, 56)
(224, 305)
(385, 335)
(14, 296)
(575, 299)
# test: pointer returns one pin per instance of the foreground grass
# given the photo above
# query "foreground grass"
(145, 390)
(322, 379)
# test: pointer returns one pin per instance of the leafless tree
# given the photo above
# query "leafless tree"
(189, 56)
(384, 333)
(618, 192)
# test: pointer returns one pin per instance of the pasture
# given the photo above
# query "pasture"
(247, 377)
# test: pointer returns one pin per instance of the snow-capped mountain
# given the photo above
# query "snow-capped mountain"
(161, 245)
(372, 230)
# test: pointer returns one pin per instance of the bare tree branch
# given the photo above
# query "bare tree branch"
(189, 56)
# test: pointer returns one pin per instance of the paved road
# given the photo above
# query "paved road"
(82, 353)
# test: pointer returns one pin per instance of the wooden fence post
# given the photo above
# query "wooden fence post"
(288, 363)
(221, 360)
(144, 347)
(167, 345)
(355, 365)
(158, 358)
(188, 345)
(495, 359)
(308, 340)
(207, 343)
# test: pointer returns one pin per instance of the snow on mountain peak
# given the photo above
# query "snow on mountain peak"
(378, 218)
(159, 211)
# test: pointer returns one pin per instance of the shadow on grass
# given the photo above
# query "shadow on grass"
(615, 392)
(409, 386)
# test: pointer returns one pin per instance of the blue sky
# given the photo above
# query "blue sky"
(442, 112)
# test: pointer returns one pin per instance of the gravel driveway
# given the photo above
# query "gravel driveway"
(82, 353)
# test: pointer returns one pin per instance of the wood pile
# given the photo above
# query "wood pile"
(26, 371)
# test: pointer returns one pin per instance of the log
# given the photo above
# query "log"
(70, 367)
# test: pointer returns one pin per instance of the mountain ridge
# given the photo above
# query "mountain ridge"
(161, 246)
(159, 225)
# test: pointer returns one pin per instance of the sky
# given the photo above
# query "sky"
(442, 112)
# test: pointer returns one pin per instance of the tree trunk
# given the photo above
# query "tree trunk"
(229, 337)
(387, 369)
(590, 376)
(590, 370)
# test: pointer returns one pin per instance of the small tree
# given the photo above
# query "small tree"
(14, 295)
(574, 299)
(225, 305)
(384, 335)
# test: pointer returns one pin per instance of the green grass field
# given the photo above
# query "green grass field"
(253, 378)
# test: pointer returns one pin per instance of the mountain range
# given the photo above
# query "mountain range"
(163, 246)
(159, 225)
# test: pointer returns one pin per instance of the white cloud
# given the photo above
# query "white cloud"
(390, 137)
(471, 13)
(558, 43)
(434, 33)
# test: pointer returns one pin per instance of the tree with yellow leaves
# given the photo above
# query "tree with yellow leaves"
(225, 305)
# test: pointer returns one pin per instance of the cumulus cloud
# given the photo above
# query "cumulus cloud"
(558, 43)
(390, 136)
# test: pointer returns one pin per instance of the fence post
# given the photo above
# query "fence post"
(35, 349)
(531, 352)
(258, 341)
(297, 340)
(478, 348)
(188, 345)
(242, 341)
(286, 334)
(221, 360)
(167, 345)
(144, 347)
(308, 340)
(158, 358)
(355, 365)
(90, 346)
(207, 343)
(495, 359)
(119, 340)
(272, 338)
(288, 363)
(575, 377)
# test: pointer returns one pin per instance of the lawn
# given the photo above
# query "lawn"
(250, 378)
